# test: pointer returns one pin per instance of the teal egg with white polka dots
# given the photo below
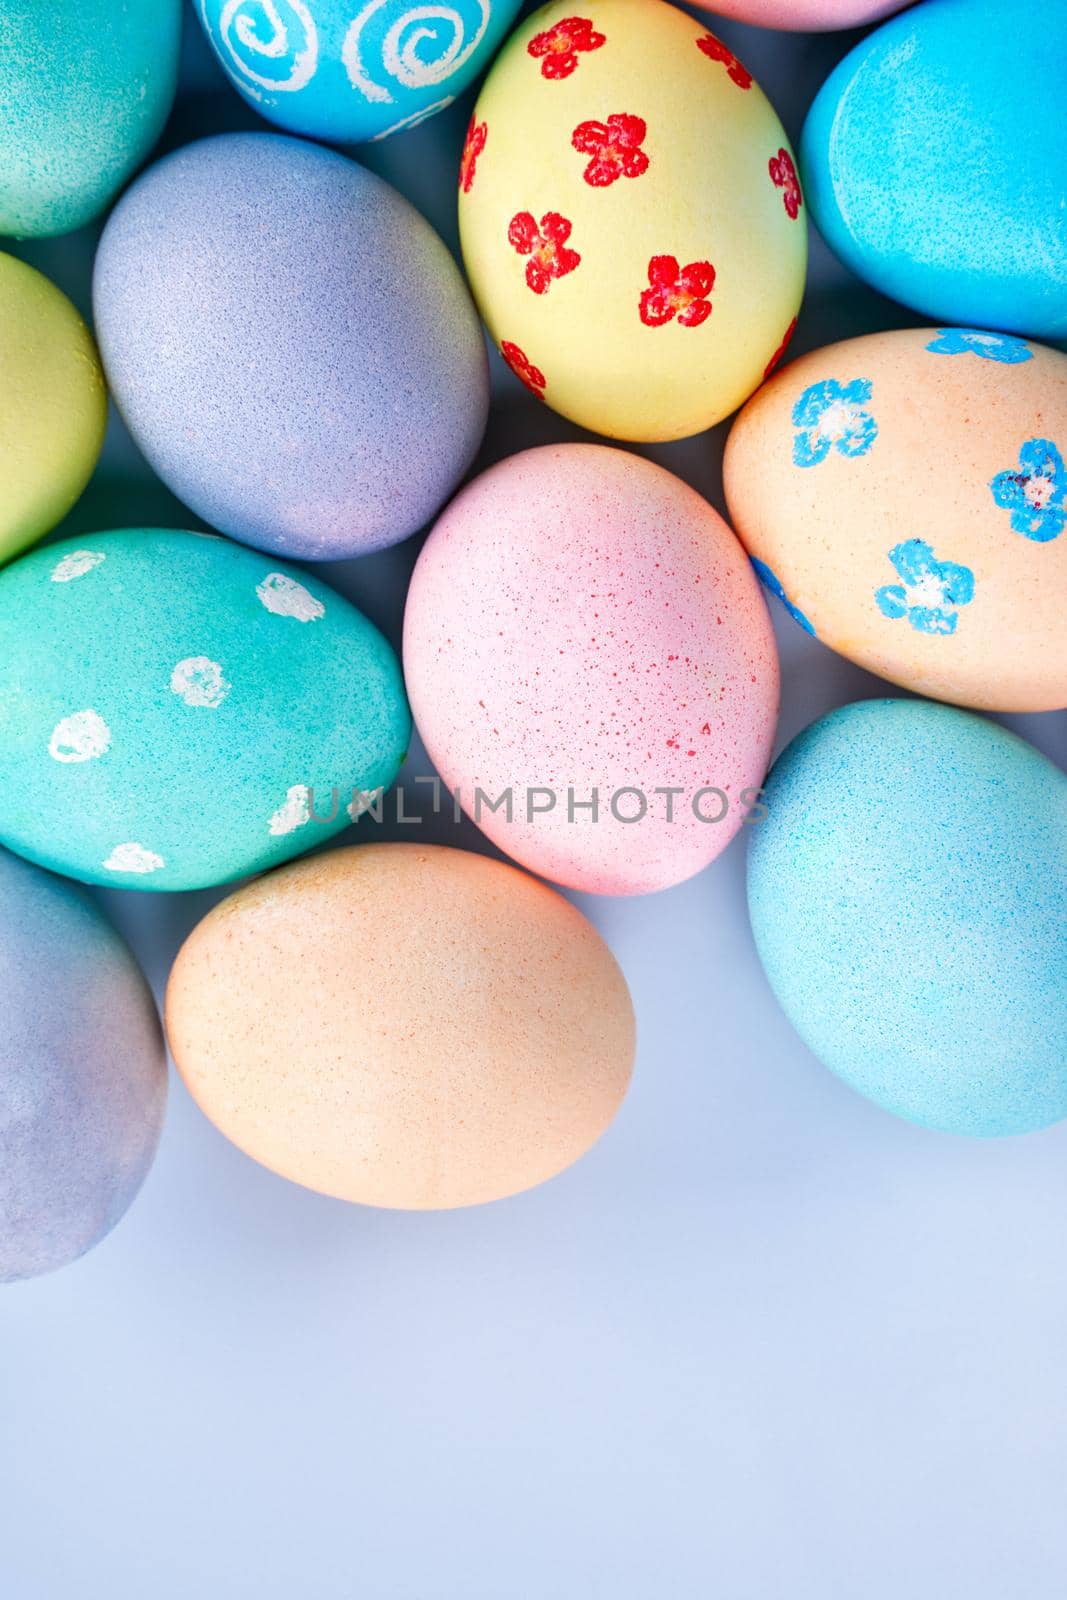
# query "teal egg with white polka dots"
(177, 711)
(908, 894)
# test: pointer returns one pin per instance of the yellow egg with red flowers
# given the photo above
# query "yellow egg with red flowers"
(632, 223)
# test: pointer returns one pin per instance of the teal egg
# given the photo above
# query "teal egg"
(177, 711)
(908, 895)
(933, 161)
(85, 88)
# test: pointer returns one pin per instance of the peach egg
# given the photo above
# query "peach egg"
(403, 1026)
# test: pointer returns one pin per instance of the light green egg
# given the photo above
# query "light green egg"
(177, 711)
(85, 88)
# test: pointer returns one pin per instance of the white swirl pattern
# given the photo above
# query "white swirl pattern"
(420, 46)
(256, 36)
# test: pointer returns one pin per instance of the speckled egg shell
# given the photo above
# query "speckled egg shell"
(83, 1079)
(632, 224)
(86, 86)
(905, 494)
(581, 620)
(908, 892)
(176, 711)
(346, 72)
(291, 345)
(933, 163)
(53, 406)
(452, 1032)
(810, 16)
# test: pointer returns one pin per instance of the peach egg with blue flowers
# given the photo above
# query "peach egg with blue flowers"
(904, 495)
(632, 222)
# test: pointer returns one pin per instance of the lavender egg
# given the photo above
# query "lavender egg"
(291, 345)
(83, 1078)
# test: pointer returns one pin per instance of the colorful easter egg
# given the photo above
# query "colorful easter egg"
(632, 223)
(83, 1079)
(176, 711)
(907, 898)
(934, 163)
(905, 495)
(291, 345)
(53, 406)
(475, 1041)
(86, 86)
(813, 16)
(592, 668)
(350, 70)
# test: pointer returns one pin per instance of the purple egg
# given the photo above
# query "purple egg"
(83, 1078)
(291, 345)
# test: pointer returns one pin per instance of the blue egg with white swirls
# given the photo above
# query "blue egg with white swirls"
(352, 70)
(83, 1077)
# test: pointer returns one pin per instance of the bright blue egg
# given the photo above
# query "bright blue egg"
(85, 88)
(291, 345)
(350, 70)
(908, 894)
(83, 1078)
(933, 161)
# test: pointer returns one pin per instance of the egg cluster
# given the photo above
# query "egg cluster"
(587, 648)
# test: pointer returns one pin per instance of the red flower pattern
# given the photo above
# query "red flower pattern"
(546, 245)
(615, 147)
(559, 48)
(784, 176)
(677, 292)
(524, 369)
(715, 50)
(781, 350)
(477, 134)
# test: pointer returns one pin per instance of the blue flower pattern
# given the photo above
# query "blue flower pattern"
(774, 586)
(930, 590)
(833, 416)
(972, 341)
(1036, 495)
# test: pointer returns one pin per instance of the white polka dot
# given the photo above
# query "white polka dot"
(295, 813)
(199, 682)
(76, 565)
(133, 858)
(80, 737)
(363, 801)
(287, 598)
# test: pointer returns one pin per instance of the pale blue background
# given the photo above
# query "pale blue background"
(765, 1343)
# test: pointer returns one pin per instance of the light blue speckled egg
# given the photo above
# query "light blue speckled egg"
(908, 893)
(934, 157)
(350, 70)
(176, 711)
(291, 345)
(85, 88)
(83, 1079)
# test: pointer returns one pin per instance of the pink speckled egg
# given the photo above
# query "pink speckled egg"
(807, 16)
(592, 668)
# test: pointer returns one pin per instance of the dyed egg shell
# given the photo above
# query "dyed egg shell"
(631, 220)
(905, 495)
(813, 16)
(345, 71)
(176, 711)
(907, 897)
(580, 620)
(83, 1079)
(291, 345)
(934, 168)
(86, 87)
(475, 1042)
(53, 406)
